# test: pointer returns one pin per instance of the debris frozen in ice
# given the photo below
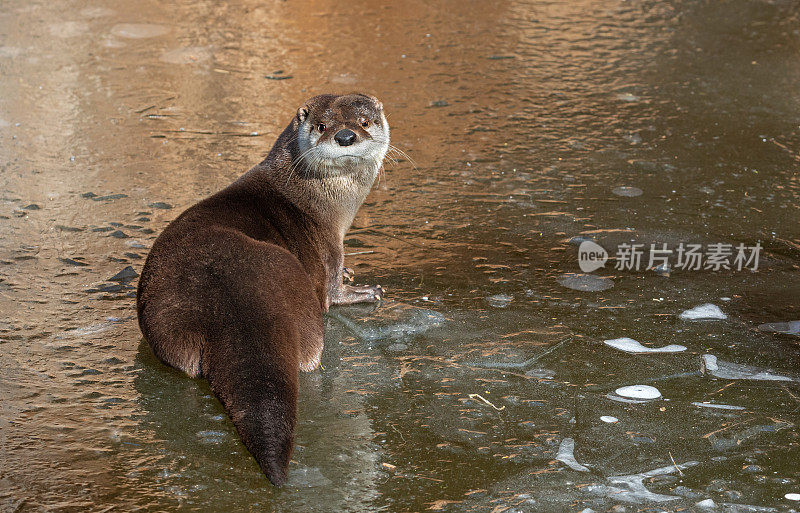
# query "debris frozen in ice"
(746, 508)
(566, 455)
(580, 239)
(627, 97)
(718, 406)
(212, 437)
(703, 312)
(628, 192)
(90, 329)
(663, 270)
(139, 30)
(500, 300)
(631, 488)
(609, 419)
(540, 373)
(641, 392)
(188, 55)
(710, 364)
(67, 29)
(586, 282)
(723, 439)
(630, 345)
(10, 51)
(785, 328)
(633, 138)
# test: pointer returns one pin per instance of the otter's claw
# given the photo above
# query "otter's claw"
(348, 274)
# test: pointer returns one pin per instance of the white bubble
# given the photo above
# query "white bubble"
(705, 311)
(630, 345)
(645, 392)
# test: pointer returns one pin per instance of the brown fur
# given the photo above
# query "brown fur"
(233, 290)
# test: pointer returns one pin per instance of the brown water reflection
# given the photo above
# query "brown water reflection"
(521, 118)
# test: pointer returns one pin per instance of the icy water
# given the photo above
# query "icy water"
(484, 382)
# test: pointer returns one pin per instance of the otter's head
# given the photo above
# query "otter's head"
(339, 135)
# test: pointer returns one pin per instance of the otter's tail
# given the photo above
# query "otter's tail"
(254, 374)
(242, 329)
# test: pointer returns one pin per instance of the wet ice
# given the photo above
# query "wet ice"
(586, 282)
(710, 364)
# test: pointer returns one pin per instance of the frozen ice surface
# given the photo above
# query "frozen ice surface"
(726, 370)
(307, 477)
(394, 322)
(630, 345)
(705, 311)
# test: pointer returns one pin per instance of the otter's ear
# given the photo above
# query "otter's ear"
(378, 103)
(302, 113)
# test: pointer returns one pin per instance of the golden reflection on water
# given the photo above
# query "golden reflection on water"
(520, 118)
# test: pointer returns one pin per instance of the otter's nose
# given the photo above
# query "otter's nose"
(345, 137)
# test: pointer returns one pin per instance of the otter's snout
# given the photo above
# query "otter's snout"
(345, 137)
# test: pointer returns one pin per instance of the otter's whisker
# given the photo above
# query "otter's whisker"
(296, 162)
(403, 154)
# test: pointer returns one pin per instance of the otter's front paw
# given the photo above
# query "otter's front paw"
(350, 294)
(348, 274)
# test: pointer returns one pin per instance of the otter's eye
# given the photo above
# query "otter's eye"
(321, 127)
(364, 123)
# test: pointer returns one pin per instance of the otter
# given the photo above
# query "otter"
(234, 289)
